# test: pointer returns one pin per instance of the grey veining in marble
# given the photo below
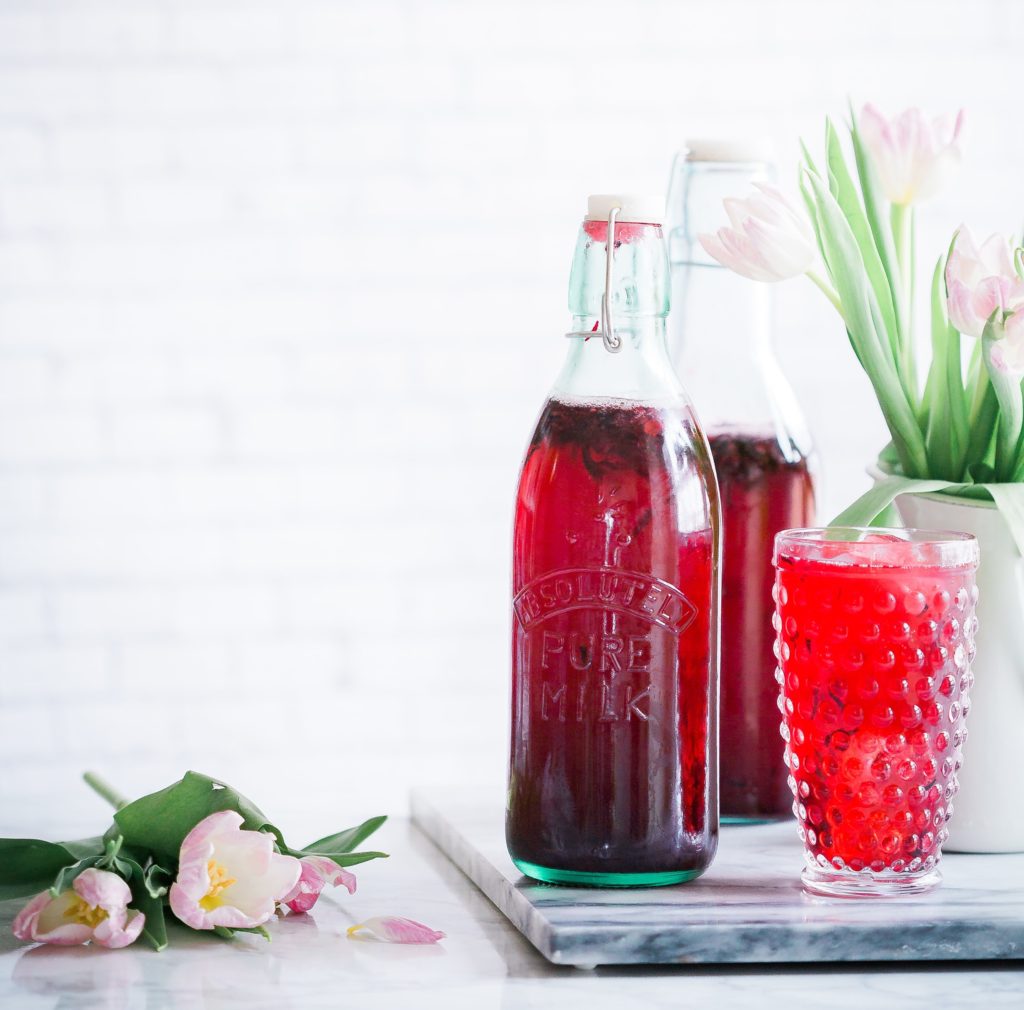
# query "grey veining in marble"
(749, 907)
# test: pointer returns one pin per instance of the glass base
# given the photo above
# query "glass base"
(865, 884)
(579, 878)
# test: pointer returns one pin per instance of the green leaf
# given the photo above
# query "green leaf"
(860, 309)
(84, 847)
(981, 473)
(888, 457)
(866, 509)
(845, 193)
(228, 932)
(1009, 499)
(955, 388)
(347, 840)
(1011, 408)
(154, 930)
(342, 858)
(28, 866)
(338, 847)
(160, 821)
(808, 159)
(957, 400)
(941, 436)
(875, 213)
(156, 880)
(889, 518)
(149, 900)
(982, 425)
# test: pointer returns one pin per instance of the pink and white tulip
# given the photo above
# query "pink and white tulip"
(981, 283)
(913, 156)
(317, 873)
(230, 877)
(94, 908)
(768, 238)
(394, 929)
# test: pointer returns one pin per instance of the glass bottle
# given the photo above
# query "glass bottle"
(613, 766)
(720, 339)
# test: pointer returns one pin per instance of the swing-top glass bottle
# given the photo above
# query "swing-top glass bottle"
(613, 770)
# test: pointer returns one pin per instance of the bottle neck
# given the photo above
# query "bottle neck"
(702, 288)
(739, 309)
(640, 369)
(720, 333)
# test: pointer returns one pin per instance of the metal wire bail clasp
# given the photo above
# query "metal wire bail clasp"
(612, 341)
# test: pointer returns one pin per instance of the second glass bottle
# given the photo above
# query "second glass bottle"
(720, 340)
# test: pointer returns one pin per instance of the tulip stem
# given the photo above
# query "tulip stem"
(105, 789)
(902, 221)
(827, 290)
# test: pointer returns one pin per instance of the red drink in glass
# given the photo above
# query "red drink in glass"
(875, 641)
(763, 490)
(613, 639)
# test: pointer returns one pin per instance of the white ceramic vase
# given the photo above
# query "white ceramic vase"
(989, 809)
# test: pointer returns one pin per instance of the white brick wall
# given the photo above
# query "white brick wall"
(281, 288)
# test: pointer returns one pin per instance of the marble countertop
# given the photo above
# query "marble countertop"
(484, 963)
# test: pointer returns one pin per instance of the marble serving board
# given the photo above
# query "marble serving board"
(748, 907)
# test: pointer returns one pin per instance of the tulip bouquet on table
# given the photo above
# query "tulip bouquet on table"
(956, 426)
(197, 847)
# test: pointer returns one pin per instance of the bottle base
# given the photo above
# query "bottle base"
(735, 819)
(582, 878)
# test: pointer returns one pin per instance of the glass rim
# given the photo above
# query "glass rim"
(945, 548)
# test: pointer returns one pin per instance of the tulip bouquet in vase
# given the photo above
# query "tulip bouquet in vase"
(955, 417)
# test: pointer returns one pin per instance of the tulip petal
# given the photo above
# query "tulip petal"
(42, 921)
(112, 937)
(257, 895)
(995, 256)
(103, 889)
(318, 872)
(961, 311)
(394, 929)
(1008, 353)
(332, 873)
(197, 848)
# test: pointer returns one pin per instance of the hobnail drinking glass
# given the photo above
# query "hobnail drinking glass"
(875, 637)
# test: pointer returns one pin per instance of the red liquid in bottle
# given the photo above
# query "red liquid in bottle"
(761, 493)
(875, 692)
(613, 642)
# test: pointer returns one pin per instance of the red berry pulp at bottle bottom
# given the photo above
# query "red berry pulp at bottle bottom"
(613, 649)
(874, 672)
(762, 490)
